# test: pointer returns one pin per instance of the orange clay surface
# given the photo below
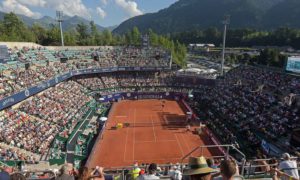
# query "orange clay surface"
(155, 134)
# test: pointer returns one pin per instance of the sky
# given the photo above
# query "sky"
(103, 12)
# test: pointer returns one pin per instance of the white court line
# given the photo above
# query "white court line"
(153, 128)
(187, 144)
(154, 141)
(134, 114)
(179, 145)
(166, 159)
(126, 144)
(121, 116)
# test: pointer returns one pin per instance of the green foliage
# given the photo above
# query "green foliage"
(187, 15)
(242, 37)
(271, 57)
(53, 36)
(177, 49)
(268, 57)
(107, 37)
(136, 36)
(13, 29)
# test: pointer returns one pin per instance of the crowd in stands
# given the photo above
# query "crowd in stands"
(248, 102)
(33, 124)
(110, 83)
(10, 154)
(17, 78)
(134, 57)
(125, 80)
(197, 168)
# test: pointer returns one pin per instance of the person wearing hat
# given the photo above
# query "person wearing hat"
(151, 174)
(198, 169)
(288, 166)
(175, 173)
(135, 172)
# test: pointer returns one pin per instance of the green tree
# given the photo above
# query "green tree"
(153, 38)
(94, 33)
(13, 29)
(83, 34)
(136, 36)
(107, 37)
(53, 36)
(70, 38)
(40, 33)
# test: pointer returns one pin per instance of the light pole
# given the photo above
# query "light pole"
(59, 18)
(226, 22)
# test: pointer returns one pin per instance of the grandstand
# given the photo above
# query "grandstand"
(50, 112)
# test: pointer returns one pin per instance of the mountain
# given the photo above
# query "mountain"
(286, 13)
(47, 21)
(186, 15)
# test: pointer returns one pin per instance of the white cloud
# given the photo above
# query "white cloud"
(130, 7)
(101, 12)
(104, 2)
(18, 8)
(70, 7)
(37, 3)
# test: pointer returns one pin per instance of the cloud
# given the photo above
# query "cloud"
(130, 7)
(104, 2)
(37, 3)
(101, 12)
(18, 8)
(70, 7)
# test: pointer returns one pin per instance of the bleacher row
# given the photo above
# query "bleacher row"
(45, 64)
(251, 104)
(256, 101)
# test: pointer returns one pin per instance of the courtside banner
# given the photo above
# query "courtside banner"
(22, 95)
(142, 95)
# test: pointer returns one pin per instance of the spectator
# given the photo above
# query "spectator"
(211, 163)
(65, 172)
(277, 174)
(198, 169)
(17, 176)
(4, 175)
(135, 171)
(229, 170)
(97, 173)
(288, 166)
(151, 173)
(175, 173)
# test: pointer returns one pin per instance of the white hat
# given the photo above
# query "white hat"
(286, 156)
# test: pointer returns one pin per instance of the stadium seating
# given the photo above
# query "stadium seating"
(249, 105)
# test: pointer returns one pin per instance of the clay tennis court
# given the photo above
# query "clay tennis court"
(154, 134)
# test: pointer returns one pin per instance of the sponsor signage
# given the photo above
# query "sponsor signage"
(18, 97)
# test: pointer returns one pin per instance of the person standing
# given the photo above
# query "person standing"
(288, 166)
(198, 169)
(151, 173)
(135, 172)
(65, 172)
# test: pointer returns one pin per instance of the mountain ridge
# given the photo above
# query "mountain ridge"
(47, 21)
(186, 15)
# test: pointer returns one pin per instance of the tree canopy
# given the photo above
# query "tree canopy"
(13, 29)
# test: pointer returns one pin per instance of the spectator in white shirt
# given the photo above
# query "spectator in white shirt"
(288, 166)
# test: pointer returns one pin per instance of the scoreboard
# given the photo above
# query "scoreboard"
(293, 64)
